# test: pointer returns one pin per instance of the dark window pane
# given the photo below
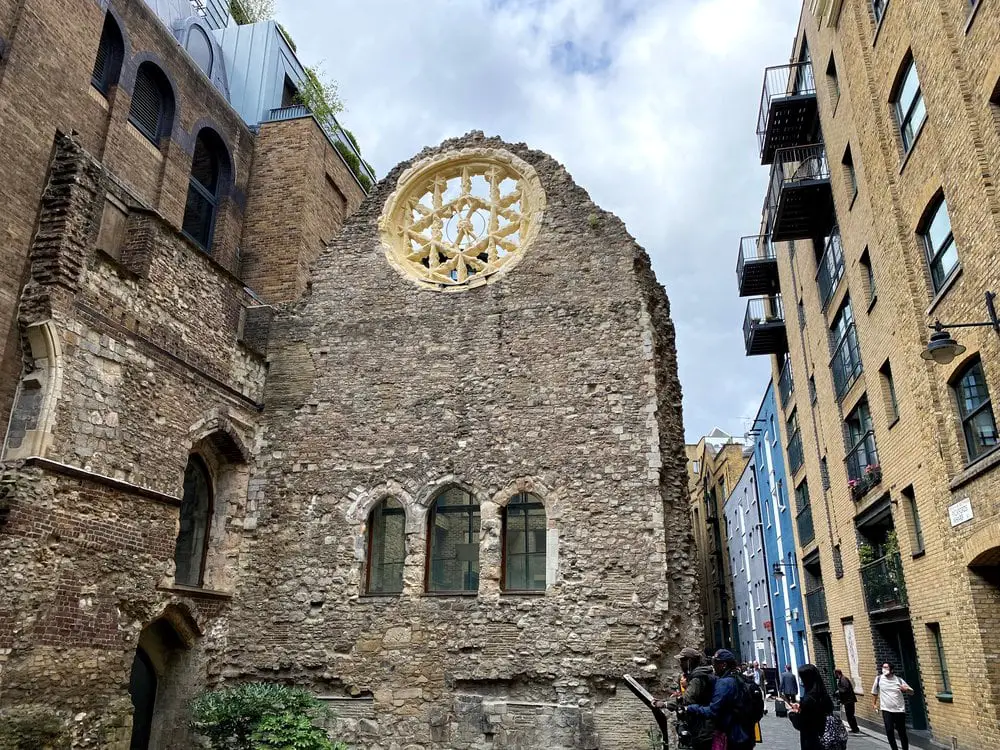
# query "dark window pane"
(146, 111)
(387, 547)
(524, 544)
(189, 552)
(454, 540)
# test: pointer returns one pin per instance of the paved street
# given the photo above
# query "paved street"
(779, 734)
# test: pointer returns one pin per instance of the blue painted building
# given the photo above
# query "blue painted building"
(788, 626)
(749, 566)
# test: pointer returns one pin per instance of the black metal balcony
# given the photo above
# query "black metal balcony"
(885, 588)
(831, 268)
(764, 326)
(846, 362)
(788, 112)
(786, 386)
(799, 198)
(863, 468)
(816, 607)
(757, 267)
(795, 452)
(804, 523)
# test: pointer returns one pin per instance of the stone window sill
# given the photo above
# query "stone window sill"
(450, 593)
(872, 302)
(977, 468)
(196, 592)
(944, 697)
(381, 597)
(918, 554)
(522, 593)
(893, 422)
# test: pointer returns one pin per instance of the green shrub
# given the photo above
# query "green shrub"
(260, 715)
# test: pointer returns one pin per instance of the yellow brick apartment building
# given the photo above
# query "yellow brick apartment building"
(882, 216)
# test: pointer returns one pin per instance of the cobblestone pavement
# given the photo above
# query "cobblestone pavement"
(779, 734)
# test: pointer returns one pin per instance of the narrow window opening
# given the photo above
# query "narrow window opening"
(889, 392)
(942, 662)
(939, 243)
(152, 108)
(208, 167)
(979, 426)
(850, 175)
(914, 517)
(196, 510)
(866, 266)
(832, 82)
(908, 102)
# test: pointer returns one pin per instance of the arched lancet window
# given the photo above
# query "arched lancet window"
(142, 690)
(453, 538)
(200, 48)
(152, 110)
(524, 532)
(386, 547)
(208, 170)
(110, 53)
(196, 512)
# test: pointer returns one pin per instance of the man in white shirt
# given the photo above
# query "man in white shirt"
(887, 694)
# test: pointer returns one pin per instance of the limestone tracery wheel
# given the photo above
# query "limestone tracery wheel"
(458, 219)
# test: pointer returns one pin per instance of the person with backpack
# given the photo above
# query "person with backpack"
(887, 694)
(735, 709)
(696, 686)
(819, 727)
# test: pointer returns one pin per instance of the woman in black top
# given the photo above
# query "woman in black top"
(809, 714)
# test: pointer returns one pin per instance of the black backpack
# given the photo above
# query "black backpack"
(750, 708)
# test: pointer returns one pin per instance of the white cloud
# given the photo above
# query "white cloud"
(650, 104)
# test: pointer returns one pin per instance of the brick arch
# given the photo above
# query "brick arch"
(983, 548)
(130, 68)
(182, 621)
(365, 501)
(429, 492)
(531, 486)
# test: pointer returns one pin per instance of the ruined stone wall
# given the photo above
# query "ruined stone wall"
(134, 362)
(557, 379)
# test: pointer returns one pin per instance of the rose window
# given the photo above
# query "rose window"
(458, 219)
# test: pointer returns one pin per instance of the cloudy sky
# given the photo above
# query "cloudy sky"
(650, 104)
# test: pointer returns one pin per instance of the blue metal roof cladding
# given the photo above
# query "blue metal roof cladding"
(249, 64)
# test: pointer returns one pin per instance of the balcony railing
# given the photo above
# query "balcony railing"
(788, 113)
(831, 268)
(764, 326)
(795, 451)
(804, 522)
(816, 607)
(338, 138)
(757, 266)
(846, 362)
(885, 588)
(863, 468)
(786, 386)
(799, 198)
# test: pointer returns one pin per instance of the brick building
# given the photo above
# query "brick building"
(443, 492)
(882, 137)
(714, 466)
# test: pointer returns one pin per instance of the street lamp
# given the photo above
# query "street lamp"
(943, 349)
(776, 568)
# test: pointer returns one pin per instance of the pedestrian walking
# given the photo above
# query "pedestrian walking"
(809, 716)
(696, 685)
(847, 698)
(887, 695)
(789, 686)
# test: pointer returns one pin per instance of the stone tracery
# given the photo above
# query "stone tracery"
(458, 219)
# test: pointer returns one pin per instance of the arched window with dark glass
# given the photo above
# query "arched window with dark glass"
(152, 109)
(453, 541)
(196, 512)
(208, 172)
(386, 547)
(200, 48)
(524, 530)
(110, 53)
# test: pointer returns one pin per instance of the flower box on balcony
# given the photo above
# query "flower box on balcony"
(871, 476)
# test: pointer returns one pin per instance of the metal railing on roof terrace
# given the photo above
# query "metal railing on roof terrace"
(831, 268)
(783, 82)
(754, 248)
(334, 132)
